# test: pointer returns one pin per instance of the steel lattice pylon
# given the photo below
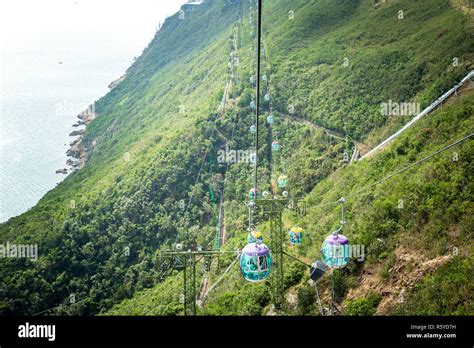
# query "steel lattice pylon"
(272, 209)
(189, 273)
(188, 260)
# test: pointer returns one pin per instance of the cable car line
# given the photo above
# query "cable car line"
(219, 113)
(211, 288)
(296, 259)
(190, 300)
(413, 164)
(163, 270)
(257, 112)
(255, 259)
(365, 188)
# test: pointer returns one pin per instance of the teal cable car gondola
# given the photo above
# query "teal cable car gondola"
(282, 181)
(296, 235)
(270, 119)
(255, 262)
(253, 194)
(335, 249)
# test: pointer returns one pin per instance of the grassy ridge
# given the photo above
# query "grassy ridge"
(388, 58)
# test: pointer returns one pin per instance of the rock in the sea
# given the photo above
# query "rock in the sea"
(61, 171)
(74, 152)
(79, 123)
(114, 83)
(76, 132)
(73, 164)
(87, 115)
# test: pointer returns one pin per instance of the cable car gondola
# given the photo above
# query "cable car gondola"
(252, 193)
(335, 250)
(270, 119)
(255, 262)
(296, 235)
(282, 181)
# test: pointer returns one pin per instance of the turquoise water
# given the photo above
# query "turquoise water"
(54, 64)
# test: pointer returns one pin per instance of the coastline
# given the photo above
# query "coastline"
(77, 152)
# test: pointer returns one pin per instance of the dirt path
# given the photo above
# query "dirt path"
(314, 126)
(202, 290)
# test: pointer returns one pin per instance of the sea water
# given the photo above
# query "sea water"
(58, 57)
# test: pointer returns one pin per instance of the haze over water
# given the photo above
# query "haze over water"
(57, 57)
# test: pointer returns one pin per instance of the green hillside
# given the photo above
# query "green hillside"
(436, 216)
(153, 177)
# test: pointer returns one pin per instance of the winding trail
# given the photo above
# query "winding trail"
(313, 125)
(331, 133)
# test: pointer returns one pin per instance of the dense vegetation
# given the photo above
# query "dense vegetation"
(158, 129)
(436, 215)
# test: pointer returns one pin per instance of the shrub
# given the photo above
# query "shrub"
(363, 306)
